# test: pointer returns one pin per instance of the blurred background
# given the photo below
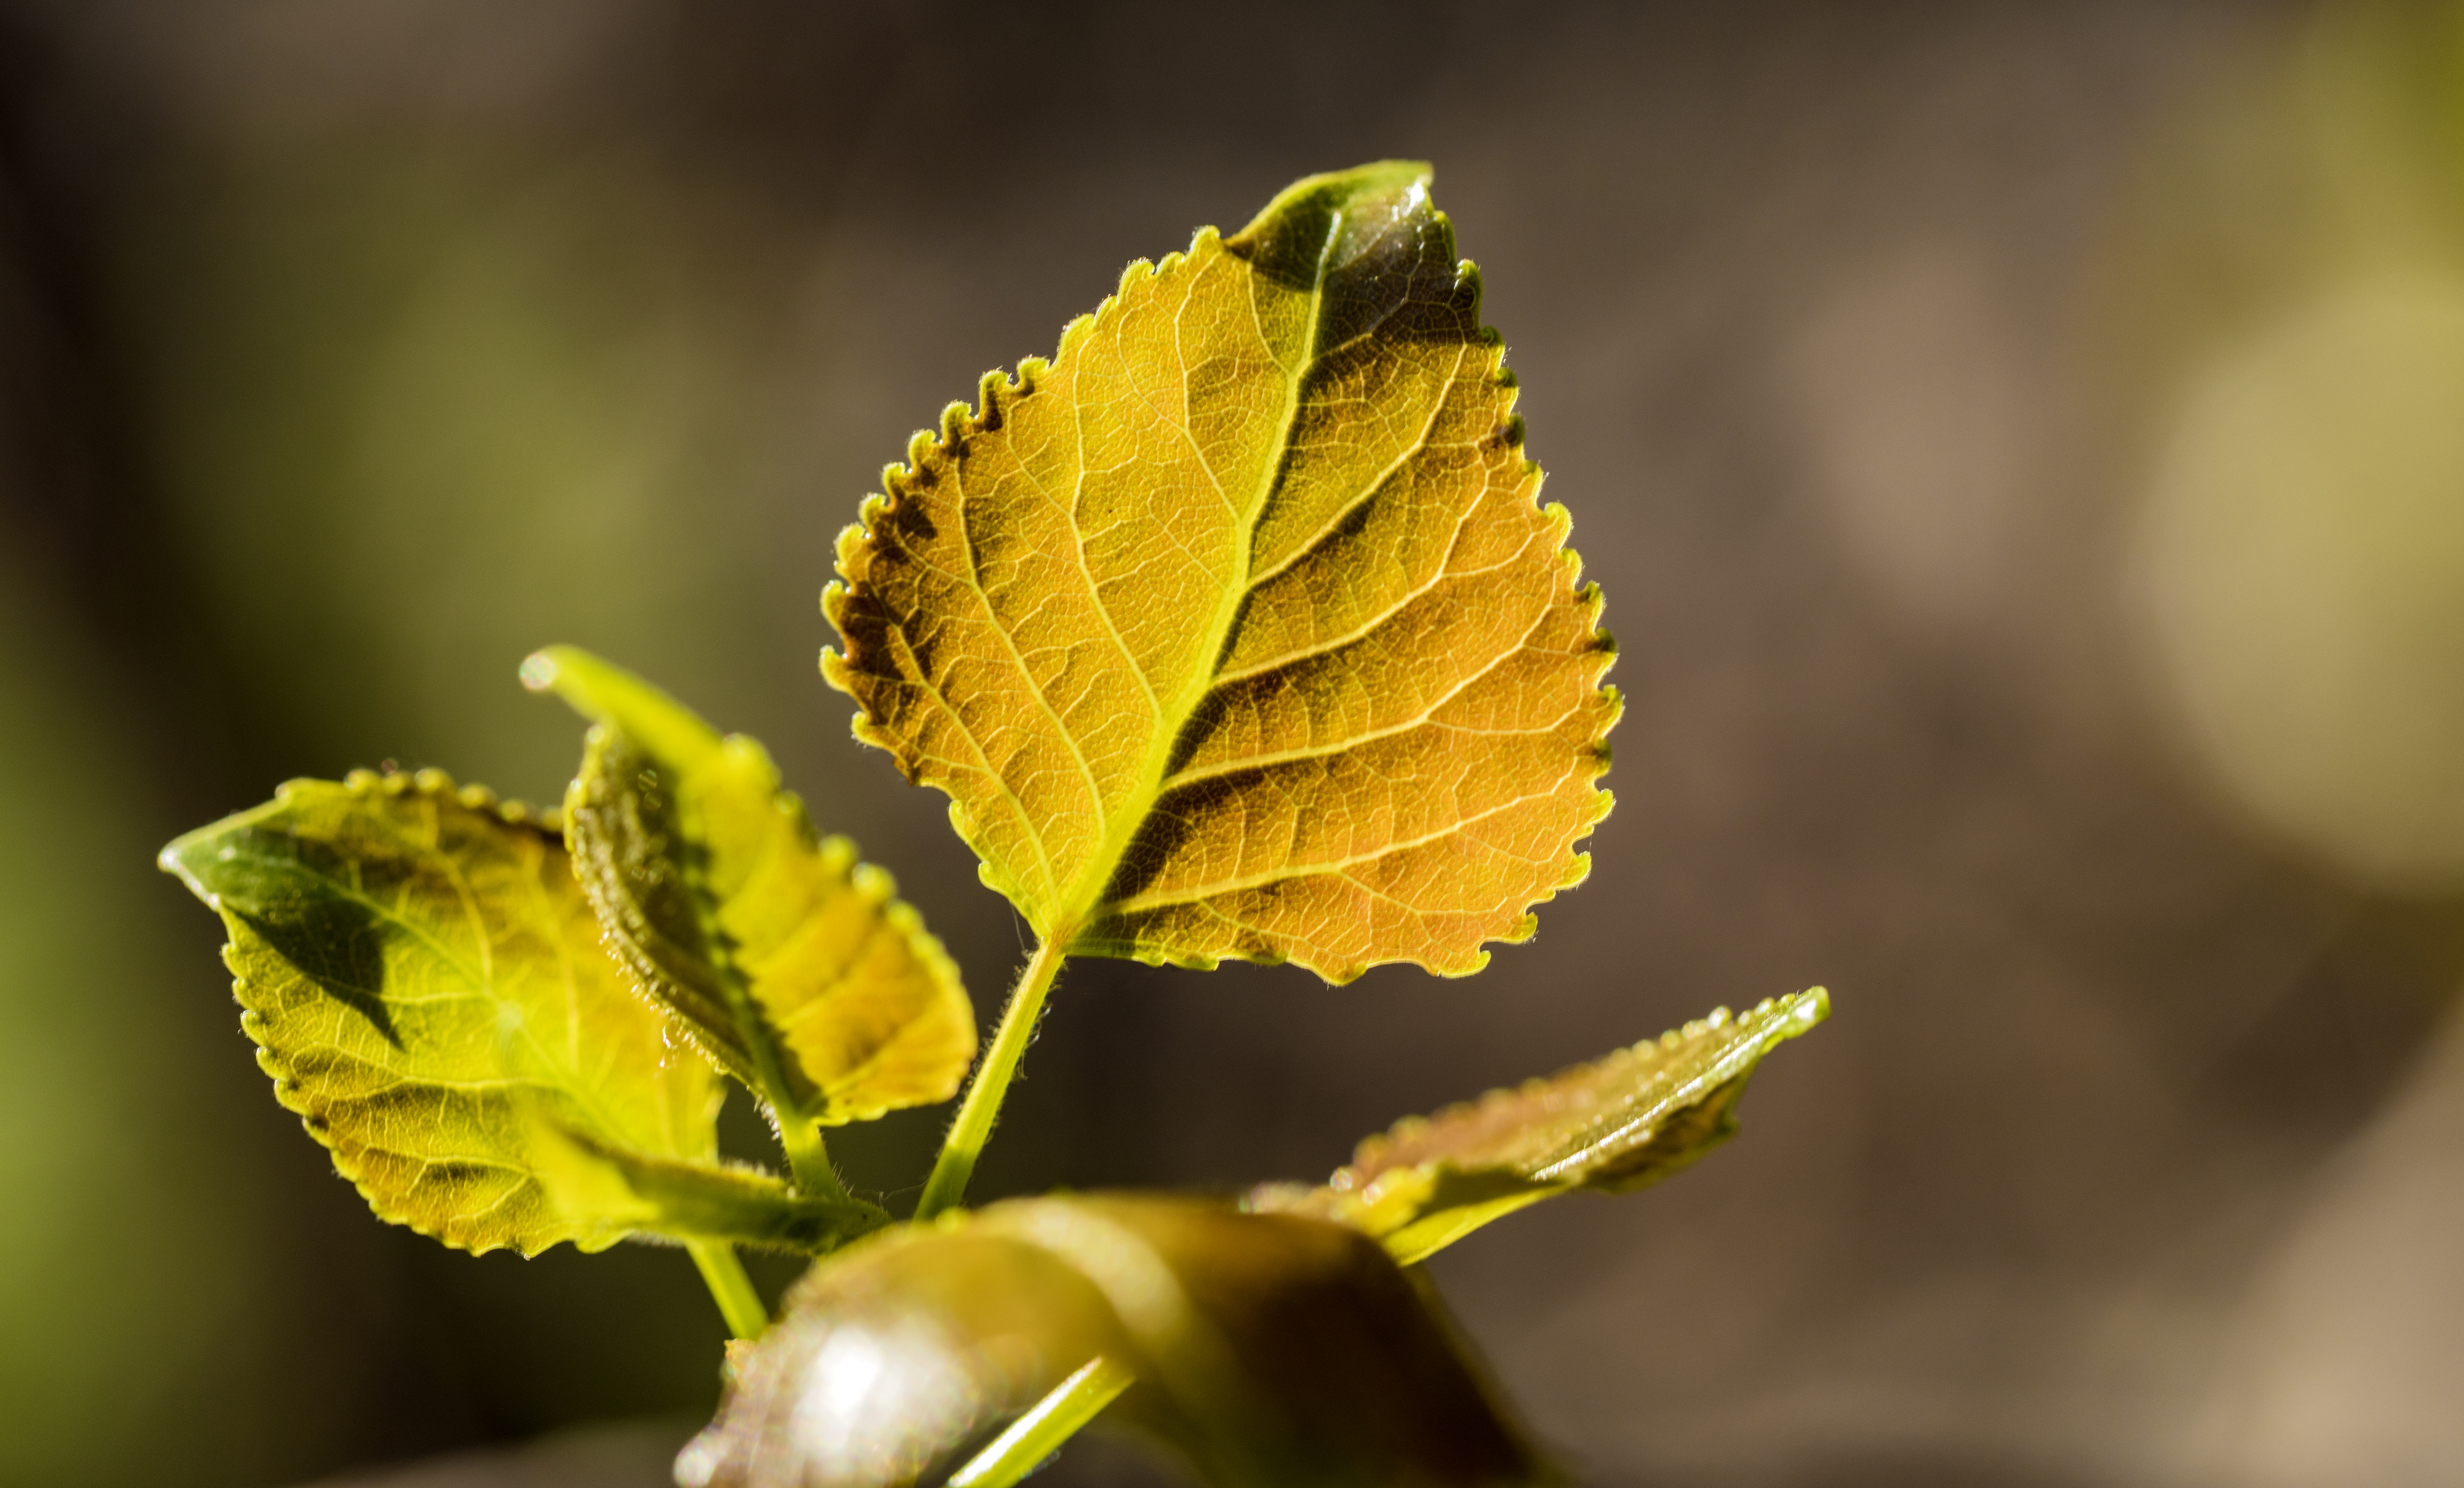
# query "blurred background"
(2022, 445)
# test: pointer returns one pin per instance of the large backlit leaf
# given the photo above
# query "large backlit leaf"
(1619, 1124)
(1268, 1350)
(705, 870)
(424, 983)
(1236, 629)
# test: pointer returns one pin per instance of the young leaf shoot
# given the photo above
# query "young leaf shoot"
(1236, 630)
(792, 963)
(1617, 1125)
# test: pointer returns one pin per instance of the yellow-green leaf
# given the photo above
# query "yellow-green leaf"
(1236, 629)
(688, 1200)
(1620, 1124)
(424, 983)
(794, 964)
(1266, 1350)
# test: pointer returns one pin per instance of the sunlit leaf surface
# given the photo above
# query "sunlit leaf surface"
(702, 866)
(1619, 1124)
(1236, 629)
(424, 983)
(1269, 1350)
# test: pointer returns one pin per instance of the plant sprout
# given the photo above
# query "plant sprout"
(1236, 630)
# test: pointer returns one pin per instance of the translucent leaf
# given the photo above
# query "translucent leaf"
(794, 964)
(1267, 1349)
(688, 1200)
(1620, 1124)
(424, 981)
(1236, 629)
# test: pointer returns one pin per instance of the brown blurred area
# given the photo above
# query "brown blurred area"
(2021, 445)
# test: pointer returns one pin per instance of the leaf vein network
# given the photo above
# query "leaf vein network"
(1144, 902)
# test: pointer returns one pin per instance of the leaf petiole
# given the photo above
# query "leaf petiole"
(974, 1126)
(730, 1287)
(1036, 1436)
(809, 1157)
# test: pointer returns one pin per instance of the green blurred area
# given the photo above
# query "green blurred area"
(129, 1246)
(451, 407)
(405, 407)
(2296, 295)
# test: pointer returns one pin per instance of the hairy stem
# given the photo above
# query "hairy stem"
(974, 1126)
(730, 1287)
(809, 1157)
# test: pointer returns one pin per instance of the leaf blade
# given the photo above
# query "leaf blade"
(1378, 741)
(688, 1199)
(1266, 1349)
(1619, 1124)
(854, 1009)
(422, 978)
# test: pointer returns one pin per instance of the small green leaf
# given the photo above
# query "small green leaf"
(792, 962)
(690, 1200)
(424, 983)
(1266, 1349)
(1620, 1124)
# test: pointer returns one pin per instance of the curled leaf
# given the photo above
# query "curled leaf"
(793, 963)
(1619, 1124)
(424, 983)
(1267, 1350)
(1236, 629)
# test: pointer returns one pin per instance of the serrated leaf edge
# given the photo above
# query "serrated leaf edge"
(854, 549)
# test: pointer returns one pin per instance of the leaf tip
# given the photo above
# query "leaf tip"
(184, 858)
(1813, 1006)
(539, 669)
(1404, 180)
(608, 694)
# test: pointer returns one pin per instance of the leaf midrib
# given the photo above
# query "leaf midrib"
(1122, 827)
(568, 1081)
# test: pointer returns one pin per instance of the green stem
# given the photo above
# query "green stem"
(974, 1126)
(730, 1287)
(1036, 1436)
(808, 1156)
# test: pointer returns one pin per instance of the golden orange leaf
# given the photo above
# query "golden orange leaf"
(1236, 629)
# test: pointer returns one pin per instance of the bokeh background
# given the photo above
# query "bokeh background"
(2022, 445)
